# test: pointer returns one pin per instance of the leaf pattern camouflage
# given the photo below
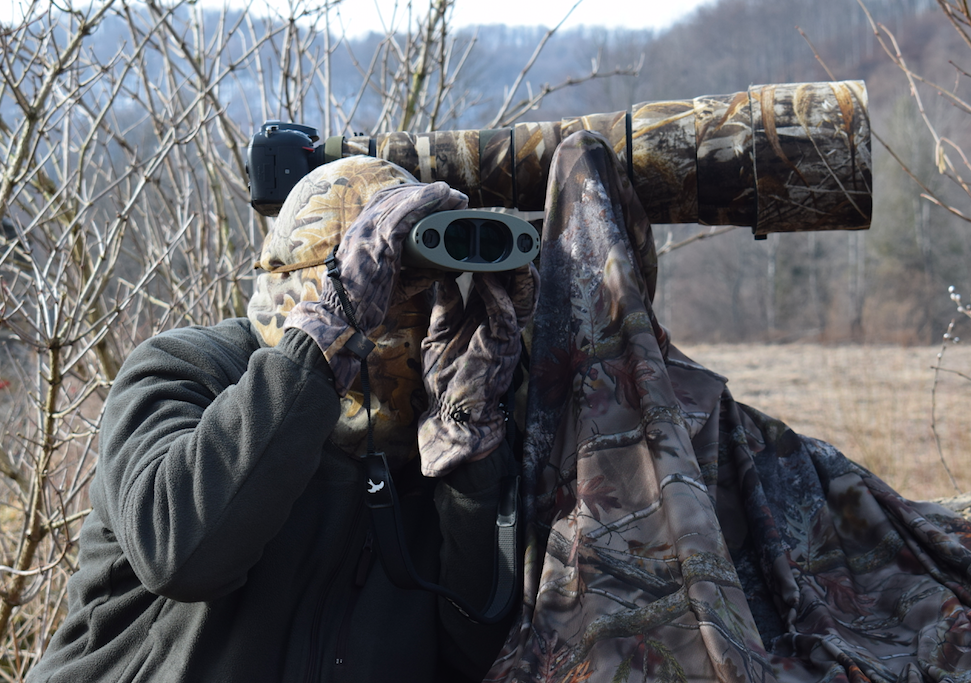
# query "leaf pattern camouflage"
(778, 158)
(675, 535)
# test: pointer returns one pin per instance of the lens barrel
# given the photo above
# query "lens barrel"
(778, 158)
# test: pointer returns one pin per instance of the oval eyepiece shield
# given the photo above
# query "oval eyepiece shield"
(471, 241)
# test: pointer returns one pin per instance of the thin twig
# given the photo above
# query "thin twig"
(713, 231)
(937, 437)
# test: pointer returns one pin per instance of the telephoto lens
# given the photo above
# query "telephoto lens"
(778, 158)
(788, 157)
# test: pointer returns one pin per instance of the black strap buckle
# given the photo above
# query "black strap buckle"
(359, 345)
(333, 267)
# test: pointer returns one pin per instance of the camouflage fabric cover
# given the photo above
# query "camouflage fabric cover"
(779, 158)
(311, 223)
(676, 535)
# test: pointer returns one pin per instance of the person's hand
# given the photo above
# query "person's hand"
(468, 359)
(369, 258)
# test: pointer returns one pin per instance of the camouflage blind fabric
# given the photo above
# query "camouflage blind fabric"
(675, 535)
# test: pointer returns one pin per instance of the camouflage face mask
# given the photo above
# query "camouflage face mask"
(316, 214)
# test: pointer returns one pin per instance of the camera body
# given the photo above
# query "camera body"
(277, 157)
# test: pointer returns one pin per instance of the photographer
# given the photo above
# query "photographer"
(229, 538)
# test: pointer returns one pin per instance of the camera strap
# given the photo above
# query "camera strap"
(382, 499)
(386, 518)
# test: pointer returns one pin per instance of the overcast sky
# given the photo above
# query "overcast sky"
(360, 16)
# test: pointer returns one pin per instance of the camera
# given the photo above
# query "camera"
(280, 154)
(277, 157)
(788, 157)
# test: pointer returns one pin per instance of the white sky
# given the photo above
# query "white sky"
(360, 16)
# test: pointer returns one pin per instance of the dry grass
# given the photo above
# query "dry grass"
(871, 402)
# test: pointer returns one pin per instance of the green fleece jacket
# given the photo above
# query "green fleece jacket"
(230, 542)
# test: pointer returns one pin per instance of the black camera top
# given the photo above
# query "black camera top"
(273, 127)
(277, 157)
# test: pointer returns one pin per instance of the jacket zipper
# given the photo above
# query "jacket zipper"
(313, 673)
(364, 561)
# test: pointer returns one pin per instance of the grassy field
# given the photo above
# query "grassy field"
(871, 402)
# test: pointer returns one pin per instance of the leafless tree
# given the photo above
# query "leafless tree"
(949, 158)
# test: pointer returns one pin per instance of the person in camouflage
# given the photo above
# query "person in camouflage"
(229, 538)
(672, 533)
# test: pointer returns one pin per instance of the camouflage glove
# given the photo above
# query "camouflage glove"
(468, 359)
(368, 259)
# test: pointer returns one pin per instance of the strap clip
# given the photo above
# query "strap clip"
(380, 487)
(333, 267)
(359, 345)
